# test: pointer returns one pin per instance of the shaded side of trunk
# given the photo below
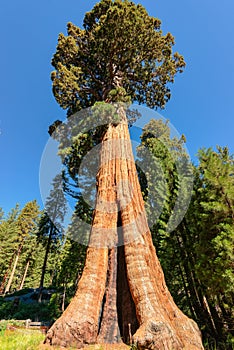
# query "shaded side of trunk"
(109, 328)
(128, 322)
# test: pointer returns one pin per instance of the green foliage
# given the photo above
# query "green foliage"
(46, 311)
(106, 112)
(165, 178)
(35, 257)
(32, 311)
(73, 254)
(50, 228)
(27, 219)
(9, 231)
(54, 306)
(214, 209)
(5, 309)
(18, 232)
(3, 326)
(162, 159)
(206, 238)
(121, 54)
(217, 212)
(197, 257)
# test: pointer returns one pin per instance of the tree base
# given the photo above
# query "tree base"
(72, 334)
(156, 335)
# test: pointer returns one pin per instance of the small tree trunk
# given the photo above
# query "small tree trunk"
(25, 274)
(6, 274)
(43, 271)
(13, 270)
(64, 296)
(154, 319)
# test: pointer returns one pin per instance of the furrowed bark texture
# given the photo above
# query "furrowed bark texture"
(122, 295)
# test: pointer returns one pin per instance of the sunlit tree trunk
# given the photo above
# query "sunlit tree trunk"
(25, 274)
(2, 286)
(122, 293)
(13, 270)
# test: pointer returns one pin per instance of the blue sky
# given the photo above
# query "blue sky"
(201, 106)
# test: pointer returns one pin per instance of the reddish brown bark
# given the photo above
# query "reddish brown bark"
(122, 293)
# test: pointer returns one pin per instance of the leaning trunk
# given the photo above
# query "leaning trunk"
(122, 293)
(13, 270)
(25, 274)
(2, 286)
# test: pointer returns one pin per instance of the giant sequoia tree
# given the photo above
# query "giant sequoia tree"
(120, 56)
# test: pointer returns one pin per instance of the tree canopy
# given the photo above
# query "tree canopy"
(120, 54)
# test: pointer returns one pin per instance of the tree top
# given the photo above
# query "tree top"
(120, 54)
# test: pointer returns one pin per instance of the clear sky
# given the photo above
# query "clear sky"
(201, 106)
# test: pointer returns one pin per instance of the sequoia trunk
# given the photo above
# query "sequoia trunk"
(122, 292)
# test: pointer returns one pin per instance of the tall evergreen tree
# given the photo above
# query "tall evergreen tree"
(200, 250)
(121, 48)
(9, 231)
(27, 258)
(121, 55)
(214, 246)
(50, 229)
(26, 223)
(166, 177)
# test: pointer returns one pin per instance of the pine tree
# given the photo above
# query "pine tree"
(8, 235)
(167, 177)
(214, 246)
(204, 246)
(26, 223)
(28, 257)
(50, 228)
